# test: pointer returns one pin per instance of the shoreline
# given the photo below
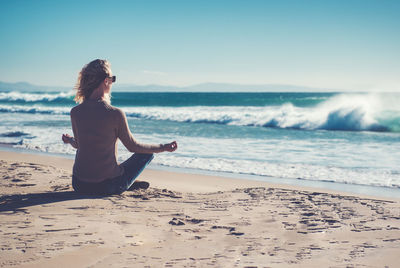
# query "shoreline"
(324, 186)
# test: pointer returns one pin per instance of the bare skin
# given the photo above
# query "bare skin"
(100, 93)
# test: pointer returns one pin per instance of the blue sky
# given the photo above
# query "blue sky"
(329, 44)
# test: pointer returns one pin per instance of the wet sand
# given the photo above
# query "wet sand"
(187, 220)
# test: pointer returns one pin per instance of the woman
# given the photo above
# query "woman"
(96, 126)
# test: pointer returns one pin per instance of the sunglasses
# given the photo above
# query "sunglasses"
(113, 78)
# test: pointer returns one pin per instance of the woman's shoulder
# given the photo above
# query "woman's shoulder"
(75, 109)
(117, 112)
(100, 106)
(78, 108)
(112, 108)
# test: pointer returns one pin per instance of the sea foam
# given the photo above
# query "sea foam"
(344, 112)
(349, 112)
(33, 97)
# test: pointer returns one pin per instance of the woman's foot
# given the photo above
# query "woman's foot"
(139, 185)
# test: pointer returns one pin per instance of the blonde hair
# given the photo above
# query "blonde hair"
(90, 78)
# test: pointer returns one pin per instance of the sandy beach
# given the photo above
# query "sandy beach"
(187, 220)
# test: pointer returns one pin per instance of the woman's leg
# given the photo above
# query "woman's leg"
(86, 187)
(133, 166)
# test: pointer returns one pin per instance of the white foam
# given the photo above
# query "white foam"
(343, 112)
(355, 112)
(362, 176)
(33, 97)
(34, 109)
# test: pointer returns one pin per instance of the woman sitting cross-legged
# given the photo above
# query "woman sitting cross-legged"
(97, 126)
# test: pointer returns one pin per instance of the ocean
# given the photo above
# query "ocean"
(340, 138)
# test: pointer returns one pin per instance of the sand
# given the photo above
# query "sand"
(186, 220)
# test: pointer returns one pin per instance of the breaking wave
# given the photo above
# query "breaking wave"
(343, 112)
(348, 112)
(16, 96)
(34, 109)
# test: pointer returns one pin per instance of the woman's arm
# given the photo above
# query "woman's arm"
(125, 135)
(135, 147)
(67, 138)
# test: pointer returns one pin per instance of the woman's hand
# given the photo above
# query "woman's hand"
(66, 138)
(70, 140)
(170, 147)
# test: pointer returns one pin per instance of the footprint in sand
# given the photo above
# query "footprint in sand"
(232, 230)
(187, 219)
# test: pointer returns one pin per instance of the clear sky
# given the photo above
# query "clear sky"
(349, 44)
